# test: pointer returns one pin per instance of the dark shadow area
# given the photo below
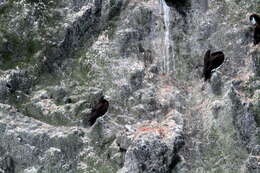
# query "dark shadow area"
(7, 165)
(175, 160)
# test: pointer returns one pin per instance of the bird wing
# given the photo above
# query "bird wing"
(206, 57)
(218, 53)
(257, 19)
(206, 61)
(217, 59)
(97, 107)
(216, 62)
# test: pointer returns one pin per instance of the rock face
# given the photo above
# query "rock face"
(29, 144)
(57, 58)
(152, 146)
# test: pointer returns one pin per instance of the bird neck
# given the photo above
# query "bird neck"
(253, 21)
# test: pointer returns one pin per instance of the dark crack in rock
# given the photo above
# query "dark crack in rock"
(57, 58)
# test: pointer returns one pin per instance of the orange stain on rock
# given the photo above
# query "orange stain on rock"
(159, 130)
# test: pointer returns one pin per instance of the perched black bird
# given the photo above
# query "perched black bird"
(169, 2)
(97, 111)
(255, 20)
(176, 3)
(211, 62)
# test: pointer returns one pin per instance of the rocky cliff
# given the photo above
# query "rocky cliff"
(58, 57)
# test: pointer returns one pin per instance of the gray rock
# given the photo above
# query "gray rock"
(216, 83)
(3, 90)
(136, 80)
(57, 58)
(256, 61)
(38, 146)
(12, 81)
(101, 133)
(244, 120)
(8, 165)
(151, 146)
(253, 160)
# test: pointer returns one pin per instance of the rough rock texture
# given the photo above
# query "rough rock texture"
(34, 145)
(152, 146)
(57, 58)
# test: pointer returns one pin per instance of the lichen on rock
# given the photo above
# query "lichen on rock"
(57, 58)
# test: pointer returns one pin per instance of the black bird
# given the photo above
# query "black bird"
(178, 3)
(255, 20)
(97, 111)
(211, 62)
(169, 2)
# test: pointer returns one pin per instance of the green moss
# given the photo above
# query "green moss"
(22, 34)
(5, 8)
(249, 87)
(257, 115)
(14, 47)
(256, 110)
(257, 7)
(57, 118)
(220, 148)
(96, 165)
(90, 65)
(111, 28)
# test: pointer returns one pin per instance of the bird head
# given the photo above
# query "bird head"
(103, 98)
(252, 19)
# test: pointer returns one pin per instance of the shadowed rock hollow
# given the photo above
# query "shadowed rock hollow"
(57, 58)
